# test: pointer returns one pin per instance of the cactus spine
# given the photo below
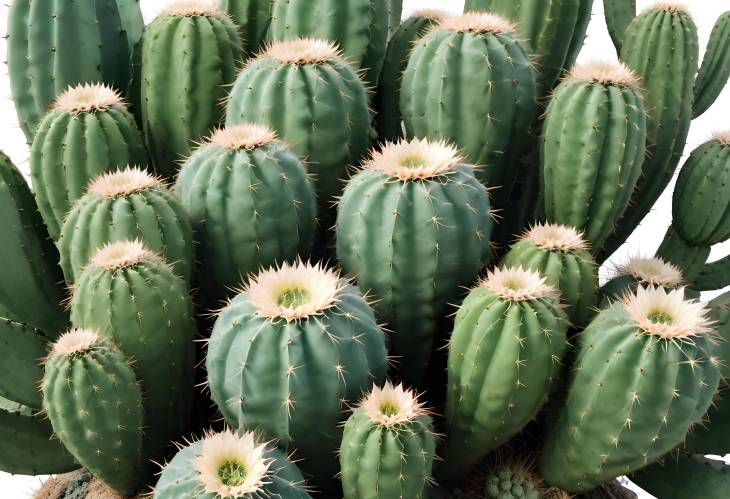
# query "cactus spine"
(253, 18)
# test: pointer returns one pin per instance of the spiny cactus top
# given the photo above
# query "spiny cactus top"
(640, 271)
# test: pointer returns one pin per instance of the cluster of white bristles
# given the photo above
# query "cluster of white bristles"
(556, 237)
(392, 405)
(124, 182)
(88, 97)
(415, 159)
(654, 271)
(667, 314)
(517, 284)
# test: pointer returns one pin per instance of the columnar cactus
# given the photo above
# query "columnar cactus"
(387, 447)
(491, 127)
(641, 272)
(253, 18)
(618, 15)
(414, 227)
(684, 476)
(715, 69)
(288, 353)
(188, 60)
(644, 375)
(395, 9)
(125, 205)
(505, 356)
(245, 173)
(52, 46)
(88, 132)
(689, 257)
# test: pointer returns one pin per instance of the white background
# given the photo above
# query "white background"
(598, 46)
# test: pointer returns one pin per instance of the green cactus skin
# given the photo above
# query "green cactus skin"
(127, 205)
(714, 275)
(26, 443)
(388, 119)
(641, 393)
(386, 455)
(292, 379)
(22, 348)
(490, 127)
(509, 343)
(593, 146)
(506, 483)
(668, 79)
(395, 9)
(319, 106)
(685, 477)
(569, 268)
(358, 27)
(73, 145)
(188, 62)
(555, 29)
(94, 403)
(253, 18)
(243, 173)
(52, 46)
(131, 295)
(618, 14)
(715, 69)
(413, 243)
(688, 257)
(30, 280)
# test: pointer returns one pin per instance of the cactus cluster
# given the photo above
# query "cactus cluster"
(296, 247)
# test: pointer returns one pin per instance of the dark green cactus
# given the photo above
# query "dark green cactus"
(22, 348)
(714, 275)
(684, 477)
(253, 18)
(618, 14)
(395, 13)
(715, 69)
(688, 257)
(509, 483)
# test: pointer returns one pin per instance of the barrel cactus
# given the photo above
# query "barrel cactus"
(637, 272)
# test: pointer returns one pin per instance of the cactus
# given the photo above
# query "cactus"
(640, 272)
(715, 69)
(560, 253)
(358, 27)
(53, 46)
(618, 15)
(714, 275)
(688, 257)
(414, 227)
(131, 295)
(387, 447)
(293, 349)
(509, 338)
(325, 119)
(643, 376)
(395, 14)
(126, 205)
(188, 59)
(245, 173)
(686, 476)
(507, 483)
(490, 127)
(88, 132)
(22, 347)
(94, 403)
(252, 18)
(598, 157)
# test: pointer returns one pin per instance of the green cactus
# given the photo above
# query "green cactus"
(414, 227)
(387, 447)
(230, 465)
(714, 275)
(358, 27)
(593, 146)
(509, 483)
(287, 355)
(88, 132)
(245, 173)
(94, 403)
(395, 14)
(388, 119)
(22, 347)
(640, 272)
(126, 205)
(509, 338)
(684, 477)
(188, 60)
(688, 257)
(618, 15)
(561, 254)
(52, 46)
(715, 69)
(643, 376)
(491, 127)
(131, 295)
(253, 18)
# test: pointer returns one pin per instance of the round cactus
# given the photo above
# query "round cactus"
(643, 376)
(288, 353)
(387, 447)
(245, 173)
(126, 205)
(414, 226)
(640, 272)
(509, 337)
(253, 18)
(230, 465)
(88, 132)
(509, 483)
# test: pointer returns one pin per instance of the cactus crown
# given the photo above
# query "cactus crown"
(670, 6)
(76, 341)
(476, 22)
(191, 8)
(124, 182)
(391, 405)
(294, 292)
(666, 315)
(231, 465)
(606, 73)
(88, 97)
(415, 159)
(247, 136)
(303, 51)
(556, 237)
(517, 284)
(722, 137)
(122, 254)
(654, 271)
(433, 14)
(511, 479)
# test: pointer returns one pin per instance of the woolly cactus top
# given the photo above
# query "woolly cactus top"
(654, 271)
(416, 159)
(88, 97)
(122, 254)
(303, 51)
(606, 73)
(294, 292)
(666, 314)
(517, 284)
(476, 22)
(191, 8)
(556, 237)
(434, 14)
(392, 405)
(231, 465)
(124, 182)
(670, 6)
(76, 341)
(722, 137)
(247, 136)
